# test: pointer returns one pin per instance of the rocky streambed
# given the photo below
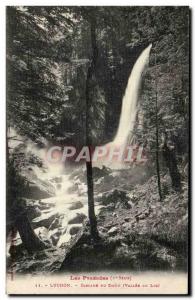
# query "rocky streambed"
(56, 220)
(137, 231)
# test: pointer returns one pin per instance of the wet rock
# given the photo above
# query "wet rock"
(39, 190)
(75, 229)
(55, 236)
(79, 218)
(57, 179)
(54, 239)
(50, 202)
(76, 205)
(33, 212)
(73, 189)
(35, 187)
(57, 222)
(42, 233)
(45, 220)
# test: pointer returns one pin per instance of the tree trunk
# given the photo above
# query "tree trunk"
(91, 210)
(90, 192)
(15, 213)
(157, 137)
(29, 239)
(171, 163)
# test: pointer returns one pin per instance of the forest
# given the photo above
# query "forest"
(67, 73)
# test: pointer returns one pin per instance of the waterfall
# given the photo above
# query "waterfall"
(128, 112)
(129, 102)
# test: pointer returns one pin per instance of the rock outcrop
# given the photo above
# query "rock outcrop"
(146, 235)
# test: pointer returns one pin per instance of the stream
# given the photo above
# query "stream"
(66, 210)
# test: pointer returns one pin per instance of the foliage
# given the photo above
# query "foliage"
(49, 50)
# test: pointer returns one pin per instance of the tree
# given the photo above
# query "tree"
(35, 96)
(89, 86)
(16, 214)
(171, 162)
(157, 139)
(170, 60)
(34, 76)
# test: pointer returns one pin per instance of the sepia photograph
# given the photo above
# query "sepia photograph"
(97, 150)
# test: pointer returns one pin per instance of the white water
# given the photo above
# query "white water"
(128, 112)
(129, 102)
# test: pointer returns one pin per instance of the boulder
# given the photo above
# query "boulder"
(55, 236)
(42, 233)
(39, 190)
(76, 205)
(45, 220)
(57, 222)
(75, 229)
(79, 218)
(118, 198)
(36, 188)
(33, 212)
(47, 203)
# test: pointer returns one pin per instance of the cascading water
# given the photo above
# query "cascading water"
(128, 111)
(129, 102)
